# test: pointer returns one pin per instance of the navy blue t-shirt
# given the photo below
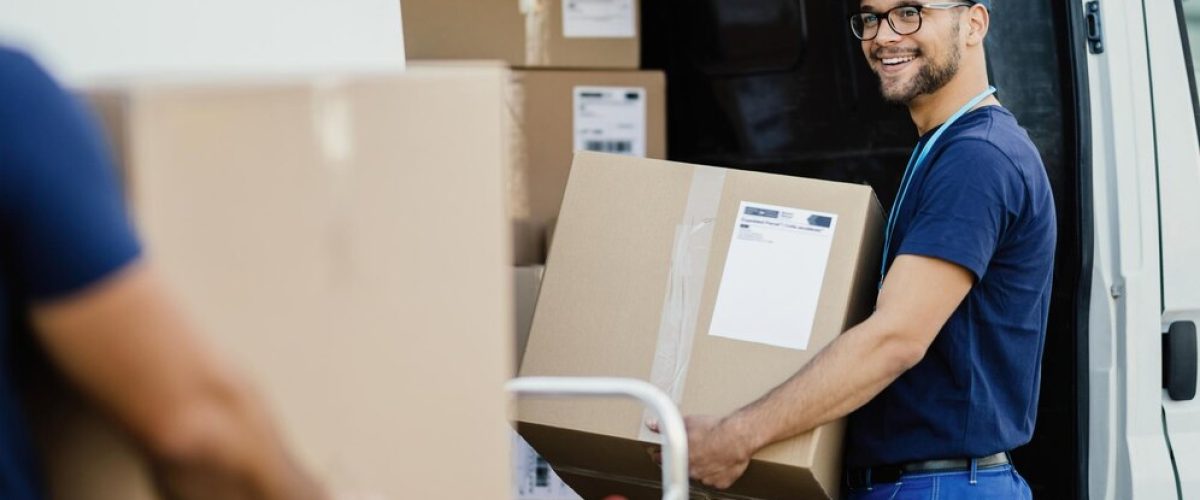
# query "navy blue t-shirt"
(982, 200)
(62, 228)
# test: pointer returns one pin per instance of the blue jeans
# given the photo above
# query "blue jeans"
(1000, 482)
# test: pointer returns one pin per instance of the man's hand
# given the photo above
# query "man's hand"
(718, 453)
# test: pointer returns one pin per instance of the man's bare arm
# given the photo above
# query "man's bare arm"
(126, 345)
(917, 298)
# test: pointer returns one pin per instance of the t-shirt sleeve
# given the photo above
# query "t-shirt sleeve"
(62, 219)
(965, 206)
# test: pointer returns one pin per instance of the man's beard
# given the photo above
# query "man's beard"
(931, 77)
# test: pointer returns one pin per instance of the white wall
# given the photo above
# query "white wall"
(86, 40)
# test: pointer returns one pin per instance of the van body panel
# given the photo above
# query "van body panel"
(1128, 455)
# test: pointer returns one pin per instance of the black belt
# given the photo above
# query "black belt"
(864, 477)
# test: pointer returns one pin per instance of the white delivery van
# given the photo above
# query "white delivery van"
(1141, 297)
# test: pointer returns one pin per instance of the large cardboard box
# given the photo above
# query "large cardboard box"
(556, 113)
(344, 242)
(542, 33)
(716, 285)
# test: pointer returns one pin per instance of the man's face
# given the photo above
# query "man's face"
(917, 64)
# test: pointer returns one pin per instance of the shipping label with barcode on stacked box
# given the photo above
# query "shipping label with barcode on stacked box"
(610, 120)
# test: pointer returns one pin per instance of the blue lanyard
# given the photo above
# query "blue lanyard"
(914, 164)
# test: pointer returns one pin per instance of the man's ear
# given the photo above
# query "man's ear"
(978, 20)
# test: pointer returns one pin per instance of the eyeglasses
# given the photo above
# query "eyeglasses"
(904, 20)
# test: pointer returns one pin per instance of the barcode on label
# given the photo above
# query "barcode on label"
(619, 147)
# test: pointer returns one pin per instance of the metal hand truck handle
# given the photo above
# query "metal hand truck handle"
(670, 423)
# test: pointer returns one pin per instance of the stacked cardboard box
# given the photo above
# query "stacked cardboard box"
(529, 33)
(328, 235)
(555, 114)
(575, 87)
(716, 285)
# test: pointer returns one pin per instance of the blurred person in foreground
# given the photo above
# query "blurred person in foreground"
(72, 276)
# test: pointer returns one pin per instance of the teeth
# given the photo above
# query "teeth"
(897, 60)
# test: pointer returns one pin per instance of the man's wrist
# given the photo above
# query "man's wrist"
(746, 431)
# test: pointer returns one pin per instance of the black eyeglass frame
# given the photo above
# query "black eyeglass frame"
(887, 15)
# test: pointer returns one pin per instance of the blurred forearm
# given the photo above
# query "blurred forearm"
(126, 345)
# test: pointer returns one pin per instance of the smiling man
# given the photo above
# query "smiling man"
(941, 381)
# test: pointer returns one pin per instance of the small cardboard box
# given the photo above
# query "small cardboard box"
(344, 242)
(594, 34)
(715, 285)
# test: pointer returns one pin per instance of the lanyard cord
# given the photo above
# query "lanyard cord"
(914, 164)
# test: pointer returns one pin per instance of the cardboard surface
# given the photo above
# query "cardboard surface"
(526, 33)
(608, 284)
(527, 280)
(543, 143)
(329, 238)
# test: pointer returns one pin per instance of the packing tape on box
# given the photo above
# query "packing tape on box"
(685, 283)
(332, 123)
(518, 149)
(333, 131)
(694, 492)
(537, 32)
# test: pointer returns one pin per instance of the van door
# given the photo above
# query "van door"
(1128, 455)
(1178, 156)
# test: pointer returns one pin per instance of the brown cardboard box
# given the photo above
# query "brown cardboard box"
(543, 33)
(329, 237)
(716, 285)
(527, 280)
(556, 113)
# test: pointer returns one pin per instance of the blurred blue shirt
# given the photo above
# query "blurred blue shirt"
(63, 228)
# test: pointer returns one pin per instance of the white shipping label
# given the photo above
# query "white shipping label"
(598, 19)
(610, 120)
(773, 275)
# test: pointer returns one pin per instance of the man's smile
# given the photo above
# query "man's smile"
(890, 64)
